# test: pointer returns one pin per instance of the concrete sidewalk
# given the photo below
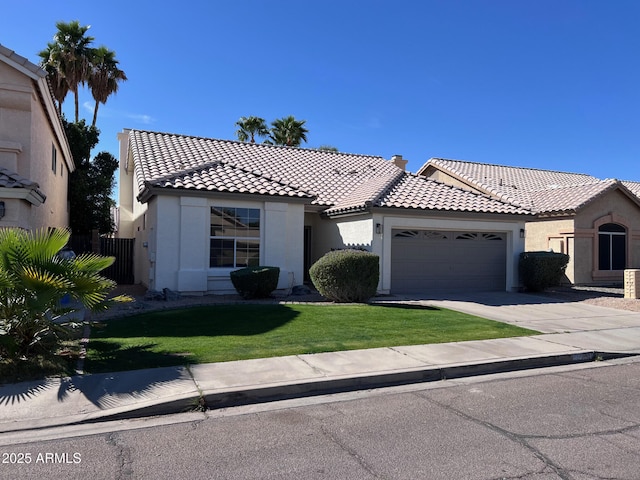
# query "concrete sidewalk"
(572, 333)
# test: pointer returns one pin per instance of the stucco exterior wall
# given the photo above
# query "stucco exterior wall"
(54, 212)
(443, 177)
(345, 232)
(178, 236)
(577, 236)
(127, 189)
(556, 235)
(613, 207)
(26, 143)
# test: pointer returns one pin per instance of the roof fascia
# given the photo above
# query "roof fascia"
(453, 213)
(148, 192)
(32, 196)
(348, 212)
(46, 99)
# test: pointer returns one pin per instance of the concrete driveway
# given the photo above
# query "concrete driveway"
(587, 326)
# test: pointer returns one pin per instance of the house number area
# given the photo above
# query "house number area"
(43, 458)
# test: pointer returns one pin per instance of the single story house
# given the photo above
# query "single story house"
(35, 159)
(596, 222)
(200, 208)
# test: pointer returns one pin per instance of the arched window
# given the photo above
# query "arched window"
(612, 247)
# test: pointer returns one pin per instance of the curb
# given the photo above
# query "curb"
(265, 394)
(274, 392)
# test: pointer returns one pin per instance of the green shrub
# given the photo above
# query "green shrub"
(255, 282)
(540, 270)
(346, 275)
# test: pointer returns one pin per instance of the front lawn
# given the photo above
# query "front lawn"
(237, 332)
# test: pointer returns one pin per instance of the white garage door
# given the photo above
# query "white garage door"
(426, 260)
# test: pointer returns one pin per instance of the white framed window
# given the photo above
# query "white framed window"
(234, 237)
(612, 247)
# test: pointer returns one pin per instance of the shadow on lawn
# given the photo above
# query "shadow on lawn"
(406, 306)
(207, 321)
(112, 356)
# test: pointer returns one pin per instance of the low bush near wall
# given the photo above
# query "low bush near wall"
(255, 282)
(346, 275)
(540, 270)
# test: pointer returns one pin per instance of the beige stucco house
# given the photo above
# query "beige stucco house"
(200, 208)
(35, 160)
(596, 222)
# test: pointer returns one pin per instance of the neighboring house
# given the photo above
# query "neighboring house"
(200, 208)
(35, 160)
(596, 222)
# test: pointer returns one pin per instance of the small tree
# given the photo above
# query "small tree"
(91, 184)
(34, 278)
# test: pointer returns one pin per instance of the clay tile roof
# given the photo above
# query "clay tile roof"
(220, 177)
(534, 189)
(20, 60)
(633, 187)
(365, 195)
(9, 179)
(417, 192)
(341, 182)
(570, 198)
(327, 176)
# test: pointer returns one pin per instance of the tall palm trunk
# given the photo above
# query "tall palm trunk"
(95, 114)
(75, 97)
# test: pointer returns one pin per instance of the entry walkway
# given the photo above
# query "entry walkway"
(572, 332)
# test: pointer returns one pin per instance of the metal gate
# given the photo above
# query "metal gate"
(121, 248)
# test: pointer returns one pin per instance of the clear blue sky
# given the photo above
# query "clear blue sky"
(552, 84)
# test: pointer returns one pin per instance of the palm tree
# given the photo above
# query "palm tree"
(104, 77)
(250, 127)
(51, 64)
(288, 131)
(34, 278)
(70, 55)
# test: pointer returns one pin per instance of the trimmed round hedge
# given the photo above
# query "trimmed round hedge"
(346, 275)
(255, 282)
(540, 270)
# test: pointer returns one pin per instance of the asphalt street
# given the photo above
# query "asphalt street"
(572, 422)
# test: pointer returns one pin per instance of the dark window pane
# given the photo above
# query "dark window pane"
(604, 252)
(221, 253)
(242, 214)
(619, 254)
(612, 227)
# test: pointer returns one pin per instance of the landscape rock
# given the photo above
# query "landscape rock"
(301, 290)
(154, 295)
(170, 295)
